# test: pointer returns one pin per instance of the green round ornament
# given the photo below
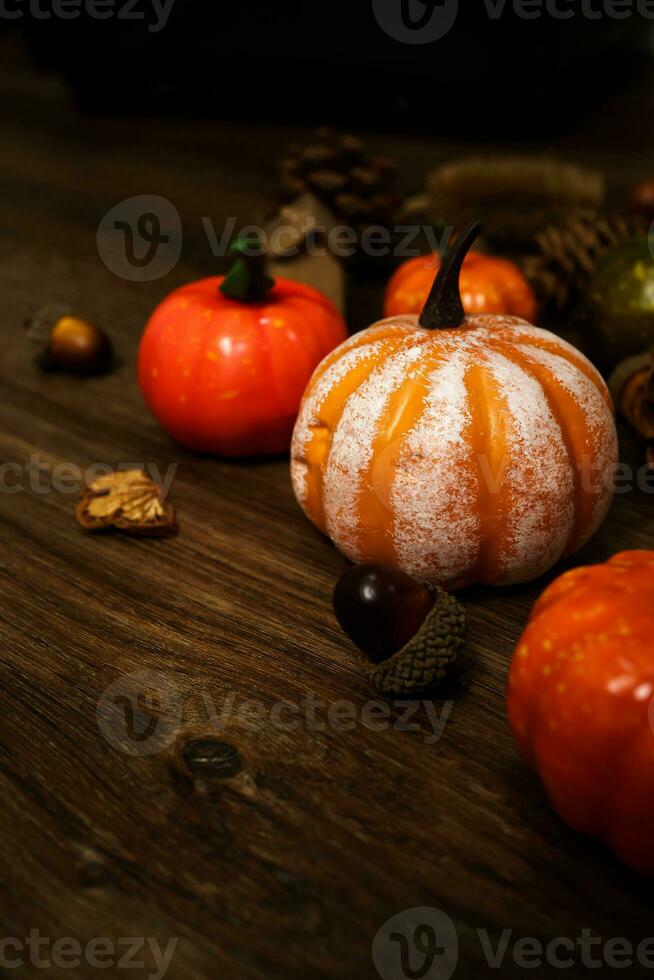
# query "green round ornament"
(617, 312)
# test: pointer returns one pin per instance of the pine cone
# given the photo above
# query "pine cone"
(513, 197)
(569, 252)
(359, 189)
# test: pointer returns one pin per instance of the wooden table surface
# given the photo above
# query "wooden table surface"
(268, 850)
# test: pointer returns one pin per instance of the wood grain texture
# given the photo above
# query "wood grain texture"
(269, 852)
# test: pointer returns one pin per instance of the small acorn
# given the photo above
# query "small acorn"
(410, 634)
(65, 342)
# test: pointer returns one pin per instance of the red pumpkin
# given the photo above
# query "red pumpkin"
(581, 703)
(223, 362)
(487, 284)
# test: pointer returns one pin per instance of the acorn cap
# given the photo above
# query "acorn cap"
(427, 659)
(39, 327)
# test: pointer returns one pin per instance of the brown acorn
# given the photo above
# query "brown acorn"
(410, 634)
(65, 342)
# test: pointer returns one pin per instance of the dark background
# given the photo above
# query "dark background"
(291, 60)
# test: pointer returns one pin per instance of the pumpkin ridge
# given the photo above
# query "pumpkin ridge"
(576, 389)
(357, 341)
(330, 392)
(534, 491)
(549, 383)
(476, 380)
(495, 482)
(394, 425)
(436, 528)
(384, 349)
(527, 335)
(307, 428)
(350, 447)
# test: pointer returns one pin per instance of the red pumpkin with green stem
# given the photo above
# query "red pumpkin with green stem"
(224, 361)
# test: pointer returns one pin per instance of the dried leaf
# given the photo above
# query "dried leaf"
(127, 500)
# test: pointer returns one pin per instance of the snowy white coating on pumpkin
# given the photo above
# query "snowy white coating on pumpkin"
(431, 472)
(482, 453)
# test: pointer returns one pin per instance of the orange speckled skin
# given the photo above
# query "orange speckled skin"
(487, 285)
(227, 377)
(580, 701)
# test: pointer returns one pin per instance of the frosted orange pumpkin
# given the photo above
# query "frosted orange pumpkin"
(482, 451)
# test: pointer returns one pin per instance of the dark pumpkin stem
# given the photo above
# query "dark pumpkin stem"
(444, 308)
(247, 280)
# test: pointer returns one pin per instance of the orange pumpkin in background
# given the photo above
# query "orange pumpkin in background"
(458, 449)
(487, 285)
(581, 701)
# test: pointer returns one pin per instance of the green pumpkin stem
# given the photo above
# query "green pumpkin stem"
(247, 280)
(444, 308)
